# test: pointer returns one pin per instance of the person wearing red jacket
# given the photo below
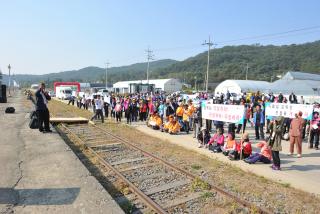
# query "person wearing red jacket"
(243, 146)
(264, 156)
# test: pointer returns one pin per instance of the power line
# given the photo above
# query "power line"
(271, 34)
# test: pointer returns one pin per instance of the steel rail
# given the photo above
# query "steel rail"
(213, 186)
(133, 188)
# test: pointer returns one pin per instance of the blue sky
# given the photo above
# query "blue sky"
(42, 36)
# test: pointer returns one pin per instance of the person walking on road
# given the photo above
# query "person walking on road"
(98, 106)
(42, 108)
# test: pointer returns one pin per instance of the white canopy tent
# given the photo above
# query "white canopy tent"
(240, 86)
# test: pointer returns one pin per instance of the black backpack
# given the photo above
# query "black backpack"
(34, 123)
(10, 110)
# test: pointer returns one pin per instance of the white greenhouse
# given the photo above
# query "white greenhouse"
(240, 86)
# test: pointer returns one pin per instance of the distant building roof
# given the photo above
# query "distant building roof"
(299, 87)
(157, 82)
(299, 75)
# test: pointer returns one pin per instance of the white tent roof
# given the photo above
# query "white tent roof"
(125, 84)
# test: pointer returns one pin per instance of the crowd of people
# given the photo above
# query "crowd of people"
(176, 114)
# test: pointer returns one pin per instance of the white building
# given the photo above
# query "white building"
(240, 86)
(167, 85)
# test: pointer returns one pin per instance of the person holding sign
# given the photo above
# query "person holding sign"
(258, 120)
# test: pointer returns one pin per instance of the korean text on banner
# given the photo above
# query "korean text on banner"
(225, 113)
(288, 110)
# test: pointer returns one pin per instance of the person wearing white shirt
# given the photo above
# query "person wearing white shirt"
(99, 106)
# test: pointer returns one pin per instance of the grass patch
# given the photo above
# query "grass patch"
(195, 166)
(199, 185)
(206, 195)
(286, 185)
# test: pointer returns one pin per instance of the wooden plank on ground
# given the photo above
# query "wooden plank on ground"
(166, 187)
(128, 161)
(181, 200)
(68, 120)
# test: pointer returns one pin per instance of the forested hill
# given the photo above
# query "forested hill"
(230, 62)
(95, 74)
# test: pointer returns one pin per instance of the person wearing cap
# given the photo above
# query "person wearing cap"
(98, 103)
(295, 133)
(276, 127)
(185, 119)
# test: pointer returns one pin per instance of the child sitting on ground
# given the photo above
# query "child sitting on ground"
(243, 146)
(264, 156)
(203, 137)
(229, 145)
(217, 141)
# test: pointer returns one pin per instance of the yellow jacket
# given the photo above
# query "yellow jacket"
(180, 111)
(174, 128)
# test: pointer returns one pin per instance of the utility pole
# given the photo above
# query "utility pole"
(9, 68)
(149, 57)
(247, 71)
(107, 64)
(209, 43)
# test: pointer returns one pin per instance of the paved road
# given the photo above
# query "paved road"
(40, 174)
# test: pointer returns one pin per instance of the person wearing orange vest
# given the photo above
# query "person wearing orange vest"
(179, 112)
(185, 118)
(191, 112)
(166, 126)
(229, 145)
(174, 127)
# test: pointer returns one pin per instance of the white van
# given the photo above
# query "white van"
(63, 93)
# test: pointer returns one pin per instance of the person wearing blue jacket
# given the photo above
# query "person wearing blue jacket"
(42, 98)
(258, 120)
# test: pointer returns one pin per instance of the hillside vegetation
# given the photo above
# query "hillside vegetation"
(229, 62)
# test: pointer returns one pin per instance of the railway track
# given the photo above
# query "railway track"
(159, 185)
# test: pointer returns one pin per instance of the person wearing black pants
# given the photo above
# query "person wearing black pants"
(42, 109)
(274, 142)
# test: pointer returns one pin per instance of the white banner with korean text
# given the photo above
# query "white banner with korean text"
(288, 110)
(225, 113)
